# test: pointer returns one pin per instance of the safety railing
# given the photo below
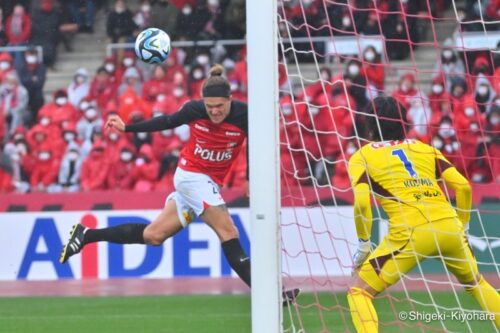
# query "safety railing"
(23, 48)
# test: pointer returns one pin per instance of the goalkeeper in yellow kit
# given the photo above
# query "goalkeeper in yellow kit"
(403, 174)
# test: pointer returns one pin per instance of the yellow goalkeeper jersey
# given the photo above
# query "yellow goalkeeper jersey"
(403, 175)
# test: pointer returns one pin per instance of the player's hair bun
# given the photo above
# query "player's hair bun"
(216, 70)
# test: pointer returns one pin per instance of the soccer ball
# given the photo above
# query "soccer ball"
(152, 46)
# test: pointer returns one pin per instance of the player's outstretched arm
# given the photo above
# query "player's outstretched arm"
(463, 192)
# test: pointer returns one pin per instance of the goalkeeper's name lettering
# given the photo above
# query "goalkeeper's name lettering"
(458, 315)
(418, 182)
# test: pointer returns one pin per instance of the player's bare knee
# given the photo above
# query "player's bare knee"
(228, 232)
(152, 238)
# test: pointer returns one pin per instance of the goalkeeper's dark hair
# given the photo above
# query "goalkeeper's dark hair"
(386, 119)
(216, 85)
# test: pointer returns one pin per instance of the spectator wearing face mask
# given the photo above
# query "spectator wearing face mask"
(481, 69)
(166, 147)
(18, 26)
(121, 176)
(445, 139)
(470, 128)
(164, 16)
(91, 119)
(459, 93)
(43, 136)
(95, 169)
(196, 77)
(6, 64)
(450, 65)
(143, 15)
(114, 140)
(128, 61)
(185, 19)
(32, 74)
(146, 170)
(491, 142)
(373, 69)
(120, 24)
(68, 179)
(356, 83)
(110, 64)
(60, 110)
(157, 85)
(484, 95)
(13, 101)
(103, 88)
(210, 19)
(406, 90)
(438, 96)
(173, 65)
(45, 30)
(45, 170)
(79, 88)
(22, 161)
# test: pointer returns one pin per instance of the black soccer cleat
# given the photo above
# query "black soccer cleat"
(74, 244)
(289, 296)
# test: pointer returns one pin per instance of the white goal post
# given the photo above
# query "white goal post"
(264, 165)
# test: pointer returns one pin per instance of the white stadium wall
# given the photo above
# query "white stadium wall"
(30, 244)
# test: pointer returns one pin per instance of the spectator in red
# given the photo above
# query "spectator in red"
(46, 136)
(373, 70)
(130, 102)
(446, 141)
(173, 66)
(437, 96)
(469, 126)
(406, 90)
(197, 76)
(114, 141)
(121, 176)
(70, 134)
(60, 110)
(459, 92)
(340, 179)
(22, 161)
(45, 170)
(484, 95)
(146, 170)
(95, 169)
(6, 64)
(6, 180)
(481, 68)
(166, 147)
(491, 142)
(111, 66)
(157, 85)
(18, 26)
(177, 98)
(293, 160)
(102, 88)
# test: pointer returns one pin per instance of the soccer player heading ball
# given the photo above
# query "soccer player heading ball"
(403, 174)
(218, 127)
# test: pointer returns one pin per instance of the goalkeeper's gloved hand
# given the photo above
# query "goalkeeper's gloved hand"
(362, 252)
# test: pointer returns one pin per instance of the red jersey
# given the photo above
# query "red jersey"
(212, 148)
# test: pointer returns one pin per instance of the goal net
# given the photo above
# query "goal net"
(438, 59)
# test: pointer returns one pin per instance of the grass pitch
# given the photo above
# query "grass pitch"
(218, 313)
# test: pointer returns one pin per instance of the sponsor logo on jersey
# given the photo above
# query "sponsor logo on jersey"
(228, 133)
(201, 128)
(232, 144)
(212, 155)
(391, 143)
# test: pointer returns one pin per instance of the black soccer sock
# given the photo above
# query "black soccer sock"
(237, 258)
(131, 233)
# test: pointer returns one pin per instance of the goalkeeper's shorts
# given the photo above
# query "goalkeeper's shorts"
(395, 255)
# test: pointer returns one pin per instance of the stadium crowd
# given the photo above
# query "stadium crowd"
(60, 145)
